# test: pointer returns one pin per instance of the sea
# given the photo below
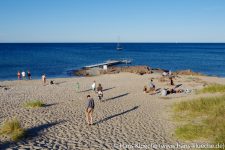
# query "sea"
(59, 59)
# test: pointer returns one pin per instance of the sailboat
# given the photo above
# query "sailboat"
(118, 45)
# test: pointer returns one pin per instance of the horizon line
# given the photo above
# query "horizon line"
(110, 42)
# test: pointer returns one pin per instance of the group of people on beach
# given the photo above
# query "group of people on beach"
(98, 90)
(22, 75)
(152, 88)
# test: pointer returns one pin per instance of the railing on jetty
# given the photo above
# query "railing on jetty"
(110, 63)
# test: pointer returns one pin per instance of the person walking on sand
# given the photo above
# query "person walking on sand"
(93, 86)
(100, 91)
(23, 75)
(89, 110)
(43, 78)
(29, 75)
(19, 75)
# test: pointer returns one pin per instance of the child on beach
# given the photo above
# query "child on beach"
(18, 75)
(89, 110)
(93, 86)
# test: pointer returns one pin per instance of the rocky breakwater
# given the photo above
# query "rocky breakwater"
(141, 70)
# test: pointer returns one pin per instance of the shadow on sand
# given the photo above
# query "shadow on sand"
(30, 134)
(116, 115)
(58, 83)
(108, 89)
(112, 98)
(48, 105)
(177, 86)
(157, 91)
(84, 91)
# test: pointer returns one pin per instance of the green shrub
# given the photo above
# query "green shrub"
(189, 131)
(34, 104)
(213, 88)
(13, 129)
(202, 118)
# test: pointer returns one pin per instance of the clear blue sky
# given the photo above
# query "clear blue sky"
(105, 20)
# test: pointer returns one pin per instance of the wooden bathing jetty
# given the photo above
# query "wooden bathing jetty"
(109, 63)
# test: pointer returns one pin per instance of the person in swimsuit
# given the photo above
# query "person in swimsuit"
(43, 77)
(89, 110)
(18, 75)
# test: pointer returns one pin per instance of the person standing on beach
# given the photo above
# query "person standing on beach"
(23, 75)
(93, 86)
(18, 75)
(29, 75)
(77, 86)
(43, 78)
(171, 81)
(89, 110)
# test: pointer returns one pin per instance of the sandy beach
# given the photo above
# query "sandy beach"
(126, 116)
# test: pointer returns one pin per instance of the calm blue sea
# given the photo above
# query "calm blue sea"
(56, 59)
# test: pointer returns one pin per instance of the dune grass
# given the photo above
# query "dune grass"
(34, 104)
(13, 129)
(213, 88)
(202, 118)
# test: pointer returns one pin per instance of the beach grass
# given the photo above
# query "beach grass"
(13, 129)
(34, 104)
(201, 118)
(213, 88)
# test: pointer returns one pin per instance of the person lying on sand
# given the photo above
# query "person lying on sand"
(89, 110)
(165, 92)
(171, 91)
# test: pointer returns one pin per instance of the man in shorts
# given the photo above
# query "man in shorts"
(89, 110)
